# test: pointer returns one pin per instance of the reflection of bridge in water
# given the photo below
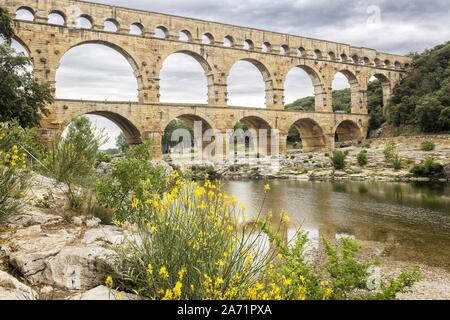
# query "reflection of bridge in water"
(147, 39)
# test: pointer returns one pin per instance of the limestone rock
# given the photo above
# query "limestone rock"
(13, 289)
(93, 222)
(33, 216)
(76, 268)
(108, 234)
(30, 257)
(104, 293)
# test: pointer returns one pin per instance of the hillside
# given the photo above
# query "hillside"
(422, 99)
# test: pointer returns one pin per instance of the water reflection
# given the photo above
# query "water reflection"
(412, 219)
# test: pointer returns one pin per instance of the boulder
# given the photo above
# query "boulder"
(76, 268)
(13, 289)
(30, 257)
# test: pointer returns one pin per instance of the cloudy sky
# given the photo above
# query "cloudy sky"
(402, 26)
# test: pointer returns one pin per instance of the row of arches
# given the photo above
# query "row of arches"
(102, 71)
(85, 21)
(305, 134)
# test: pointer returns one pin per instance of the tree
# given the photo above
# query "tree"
(73, 159)
(422, 97)
(121, 143)
(21, 96)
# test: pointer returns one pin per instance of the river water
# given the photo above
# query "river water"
(413, 219)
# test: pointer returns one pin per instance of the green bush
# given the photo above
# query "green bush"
(428, 168)
(132, 175)
(427, 146)
(338, 159)
(397, 162)
(13, 178)
(389, 151)
(72, 160)
(362, 158)
(11, 133)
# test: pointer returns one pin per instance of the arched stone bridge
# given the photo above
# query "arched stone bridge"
(146, 39)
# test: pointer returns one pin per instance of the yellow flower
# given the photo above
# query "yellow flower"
(109, 281)
(168, 295)
(181, 273)
(243, 208)
(220, 263)
(177, 290)
(219, 281)
(285, 218)
(266, 188)
(328, 293)
(149, 269)
(135, 203)
(302, 279)
(324, 283)
(200, 191)
(163, 272)
(119, 296)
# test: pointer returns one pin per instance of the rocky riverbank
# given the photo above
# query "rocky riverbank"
(318, 165)
(48, 252)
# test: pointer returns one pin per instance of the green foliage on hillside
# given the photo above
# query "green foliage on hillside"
(422, 99)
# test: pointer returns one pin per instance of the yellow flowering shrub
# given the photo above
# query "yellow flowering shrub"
(13, 171)
(196, 242)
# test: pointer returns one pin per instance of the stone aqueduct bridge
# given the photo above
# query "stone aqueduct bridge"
(225, 45)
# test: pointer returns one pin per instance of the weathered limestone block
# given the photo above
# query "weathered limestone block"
(13, 289)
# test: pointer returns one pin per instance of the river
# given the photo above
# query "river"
(413, 219)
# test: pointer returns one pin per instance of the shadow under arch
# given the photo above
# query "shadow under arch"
(198, 125)
(348, 131)
(258, 135)
(312, 137)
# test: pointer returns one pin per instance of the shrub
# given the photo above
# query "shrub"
(362, 158)
(73, 159)
(389, 151)
(11, 134)
(190, 246)
(428, 168)
(427, 146)
(397, 162)
(194, 242)
(132, 175)
(13, 176)
(338, 160)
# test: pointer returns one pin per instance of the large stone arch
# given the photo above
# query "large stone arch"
(358, 93)
(311, 134)
(118, 48)
(386, 84)
(314, 74)
(348, 131)
(199, 138)
(131, 132)
(260, 133)
(266, 75)
(202, 61)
